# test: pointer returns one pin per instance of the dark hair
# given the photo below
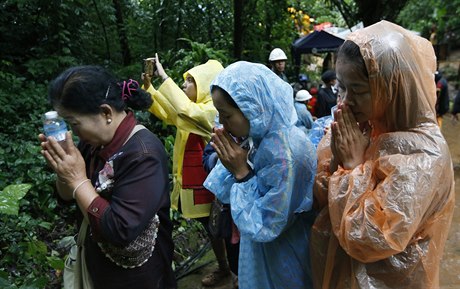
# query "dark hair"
(351, 51)
(227, 96)
(328, 76)
(84, 89)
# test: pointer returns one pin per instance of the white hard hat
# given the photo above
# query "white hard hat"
(302, 95)
(277, 54)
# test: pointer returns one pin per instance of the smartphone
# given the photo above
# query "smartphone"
(148, 66)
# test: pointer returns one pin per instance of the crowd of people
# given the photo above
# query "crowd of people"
(369, 206)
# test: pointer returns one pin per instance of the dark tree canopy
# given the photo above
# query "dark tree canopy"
(369, 12)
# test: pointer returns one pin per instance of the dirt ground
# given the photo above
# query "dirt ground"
(450, 265)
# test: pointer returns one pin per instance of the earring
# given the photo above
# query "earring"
(109, 121)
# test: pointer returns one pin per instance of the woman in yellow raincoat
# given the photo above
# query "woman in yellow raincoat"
(384, 186)
(191, 110)
(194, 117)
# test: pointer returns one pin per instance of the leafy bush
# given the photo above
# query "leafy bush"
(27, 259)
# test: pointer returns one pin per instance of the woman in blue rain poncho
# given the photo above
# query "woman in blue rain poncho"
(267, 178)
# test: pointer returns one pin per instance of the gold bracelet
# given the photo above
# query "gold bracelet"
(79, 185)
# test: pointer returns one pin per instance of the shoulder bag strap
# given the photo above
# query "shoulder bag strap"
(137, 128)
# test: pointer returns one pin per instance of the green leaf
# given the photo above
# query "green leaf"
(36, 248)
(35, 283)
(4, 283)
(46, 225)
(56, 262)
(10, 196)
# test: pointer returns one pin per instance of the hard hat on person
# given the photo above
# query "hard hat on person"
(302, 95)
(277, 54)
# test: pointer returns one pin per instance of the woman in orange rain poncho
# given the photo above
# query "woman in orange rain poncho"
(385, 185)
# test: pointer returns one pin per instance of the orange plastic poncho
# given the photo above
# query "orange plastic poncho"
(384, 223)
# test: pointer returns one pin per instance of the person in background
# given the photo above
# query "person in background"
(442, 92)
(313, 101)
(117, 176)
(305, 120)
(302, 83)
(267, 178)
(191, 110)
(277, 59)
(327, 96)
(385, 183)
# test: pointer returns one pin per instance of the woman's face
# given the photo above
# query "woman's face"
(354, 89)
(89, 128)
(189, 87)
(230, 117)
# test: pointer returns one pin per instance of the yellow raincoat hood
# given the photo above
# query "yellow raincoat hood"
(384, 223)
(203, 75)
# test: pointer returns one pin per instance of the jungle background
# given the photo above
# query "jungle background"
(39, 39)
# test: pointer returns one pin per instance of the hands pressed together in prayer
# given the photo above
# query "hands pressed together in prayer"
(65, 160)
(349, 139)
(232, 156)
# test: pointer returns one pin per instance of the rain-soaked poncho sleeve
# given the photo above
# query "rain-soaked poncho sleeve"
(174, 107)
(376, 208)
(305, 117)
(171, 104)
(263, 206)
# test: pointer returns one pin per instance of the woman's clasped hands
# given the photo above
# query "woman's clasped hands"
(232, 156)
(64, 159)
(349, 139)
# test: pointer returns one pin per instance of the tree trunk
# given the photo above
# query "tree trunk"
(123, 39)
(238, 6)
(106, 39)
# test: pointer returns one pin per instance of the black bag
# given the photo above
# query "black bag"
(220, 220)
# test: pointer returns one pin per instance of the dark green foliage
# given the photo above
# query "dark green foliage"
(25, 257)
(421, 15)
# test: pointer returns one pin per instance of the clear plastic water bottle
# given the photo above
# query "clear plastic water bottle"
(217, 124)
(54, 125)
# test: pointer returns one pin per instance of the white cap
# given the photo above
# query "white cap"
(277, 54)
(302, 95)
(51, 114)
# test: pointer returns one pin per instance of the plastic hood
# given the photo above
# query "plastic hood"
(403, 93)
(203, 75)
(264, 98)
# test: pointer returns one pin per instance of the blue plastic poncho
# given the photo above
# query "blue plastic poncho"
(317, 132)
(305, 121)
(271, 209)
